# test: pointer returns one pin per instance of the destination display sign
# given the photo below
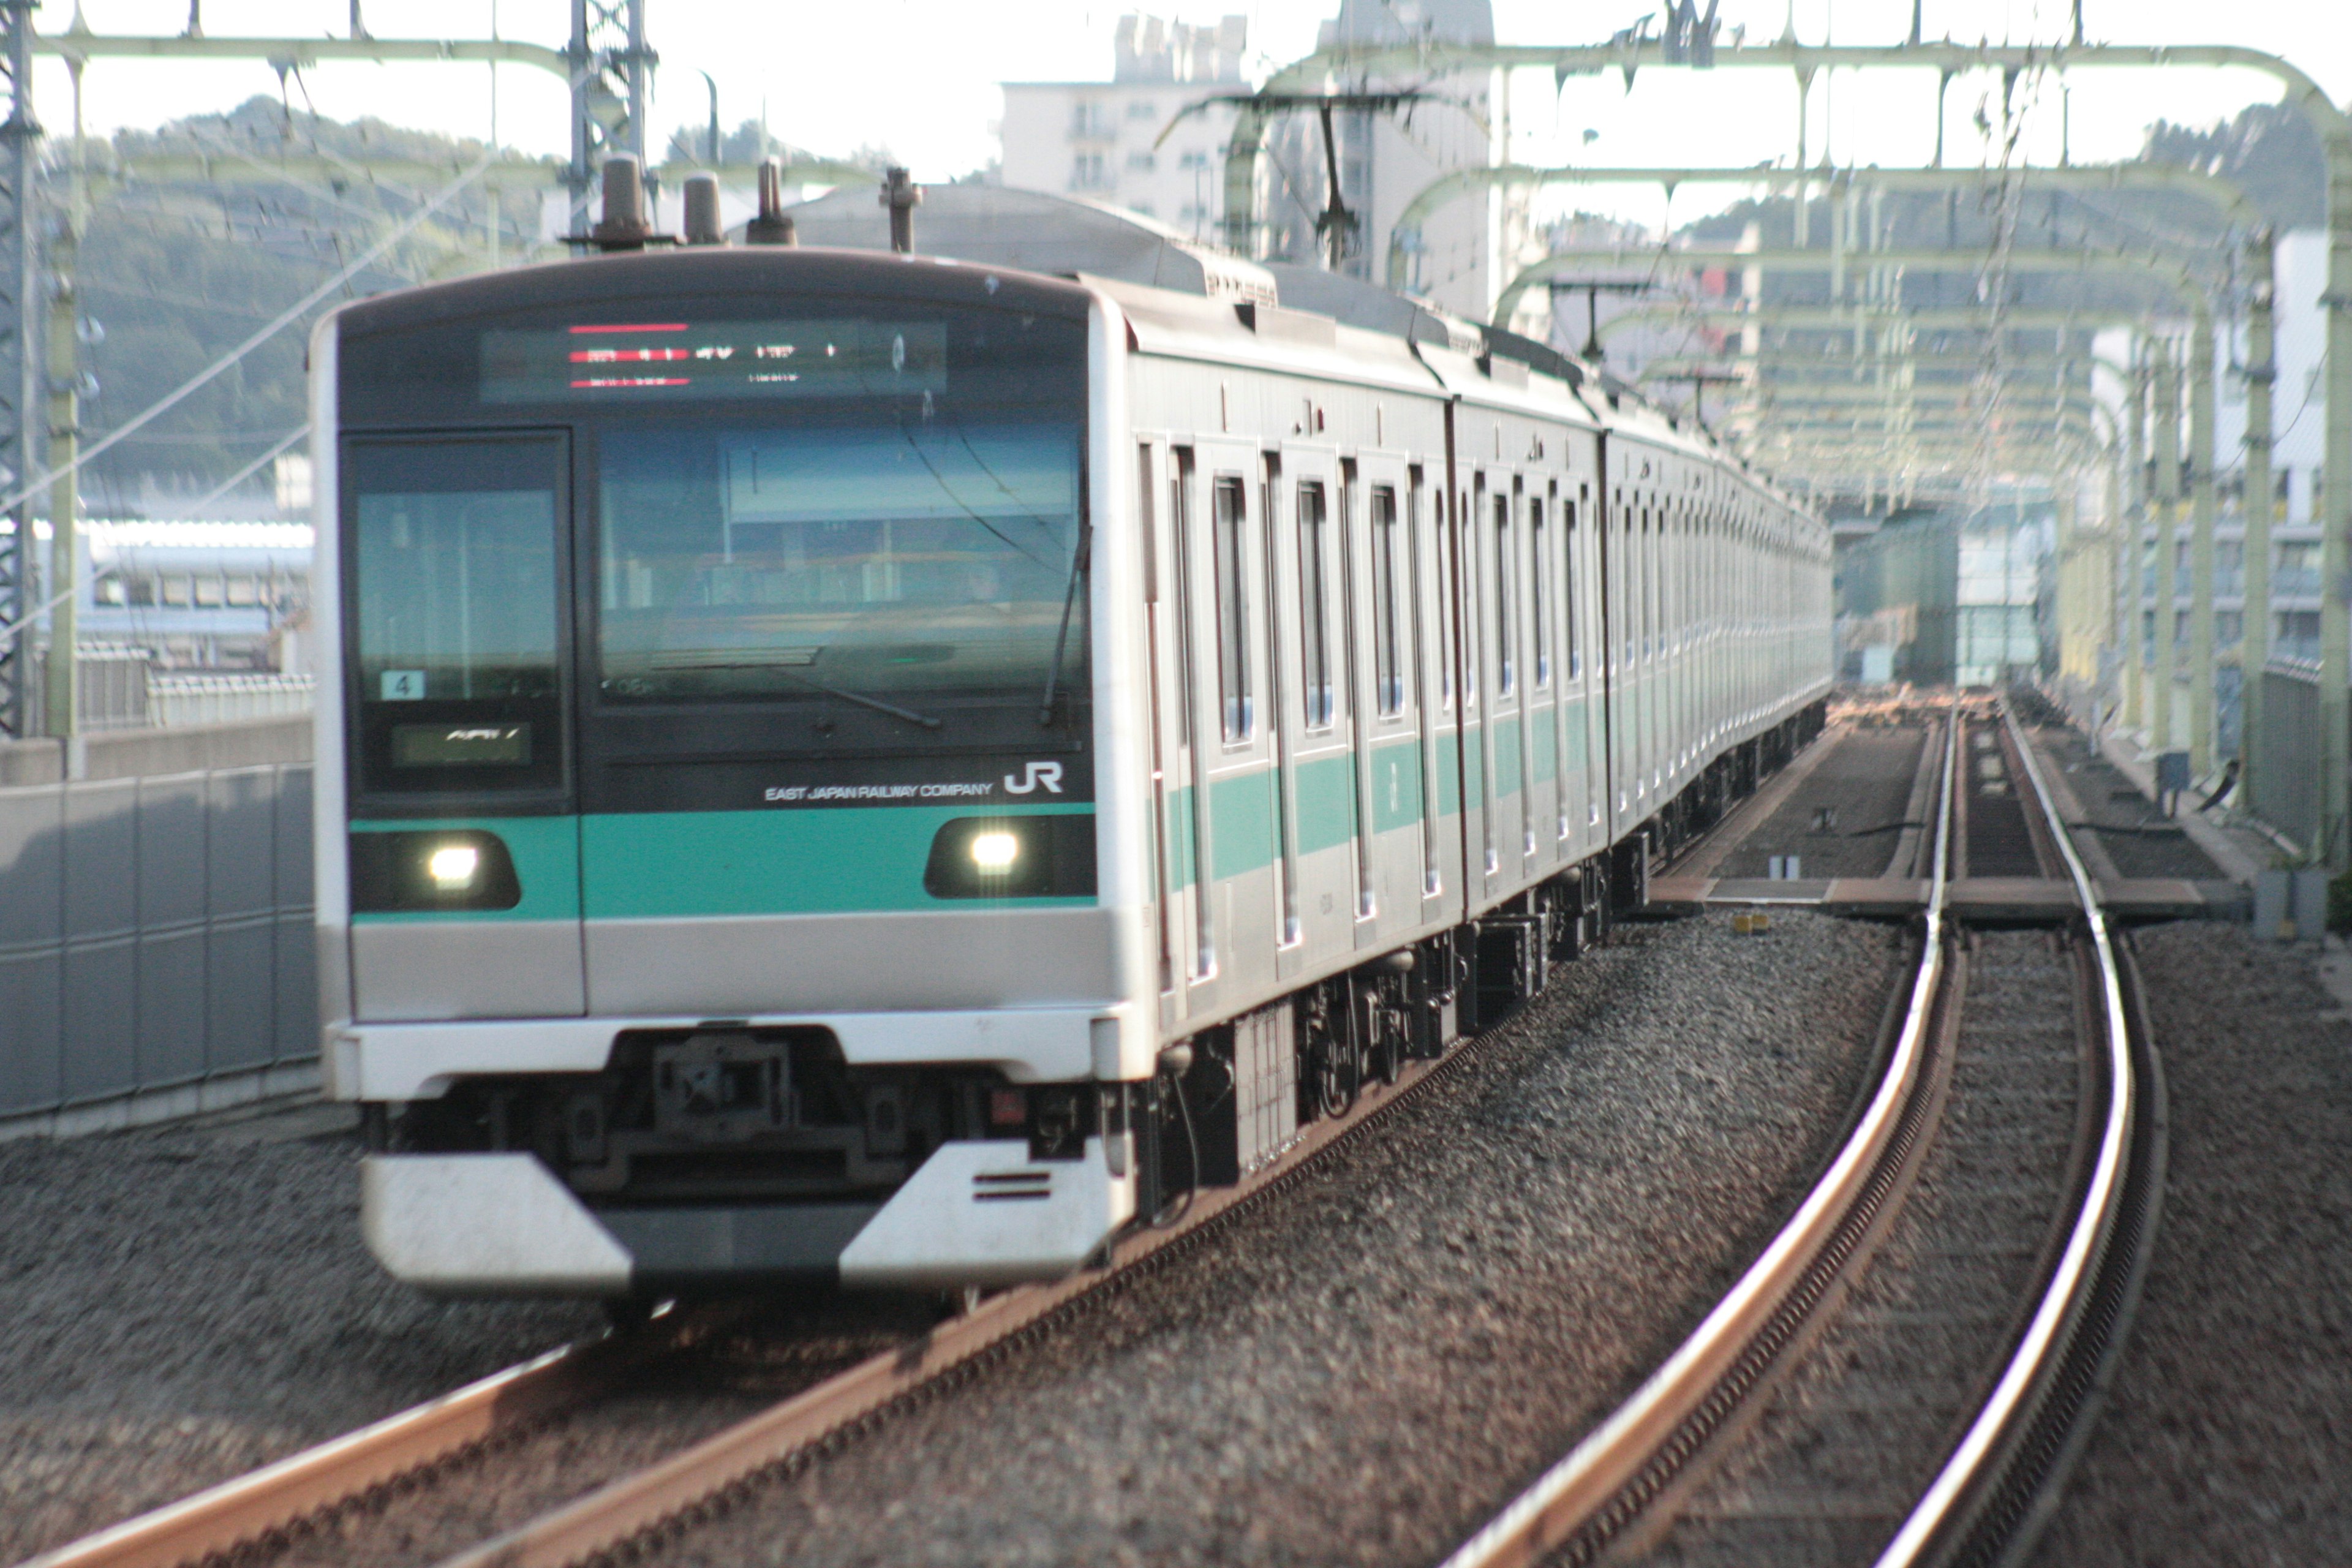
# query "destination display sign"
(654, 361)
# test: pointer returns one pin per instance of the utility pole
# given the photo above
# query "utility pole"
(61, 716)
(20, 361)
(2261, 373)
(608, 66)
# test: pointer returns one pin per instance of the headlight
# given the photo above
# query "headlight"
(1041, 857)
(453, 866)
(415, 871)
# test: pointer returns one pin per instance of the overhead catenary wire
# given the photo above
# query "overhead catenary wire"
(235, 479)
(262, 334)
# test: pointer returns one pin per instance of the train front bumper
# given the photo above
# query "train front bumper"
(975, 1213)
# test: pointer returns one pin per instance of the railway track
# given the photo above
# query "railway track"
(1598, 1499)
(2002, 1438)
(397, 1464)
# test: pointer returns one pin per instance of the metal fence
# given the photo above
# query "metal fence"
(155, 923)
(226, 699)
(2287, 759)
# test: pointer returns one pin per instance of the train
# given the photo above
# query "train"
(846, 766)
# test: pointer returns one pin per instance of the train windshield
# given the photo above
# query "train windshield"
(911, 564)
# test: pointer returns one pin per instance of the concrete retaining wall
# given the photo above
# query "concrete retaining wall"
(156, 916)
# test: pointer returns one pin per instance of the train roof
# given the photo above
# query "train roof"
(992, 245)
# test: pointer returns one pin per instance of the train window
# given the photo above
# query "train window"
(1229, 517)
(1505, 665)
(1465, 576)
(1568, 586)
(454, 612)
(1388, 678)
(1539, 573)
(899, 582)
(1446, 605)
(1313, 603)
(1179, 509)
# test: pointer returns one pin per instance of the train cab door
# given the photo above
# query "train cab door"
(460, 756)
(1386, 697)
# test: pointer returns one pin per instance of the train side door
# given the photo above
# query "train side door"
(1236, 800)
(1313, 758)
(1385, 697)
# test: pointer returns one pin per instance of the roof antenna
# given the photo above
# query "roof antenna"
(623, 226)
(902, 197)
(773, 226)
(703, 226)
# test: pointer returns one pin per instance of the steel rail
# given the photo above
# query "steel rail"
(220, 1520)
(1936, 1529)
(701, 1479)
(1595, 1486)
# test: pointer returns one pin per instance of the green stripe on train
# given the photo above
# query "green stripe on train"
(837, 860)
(1240, 824)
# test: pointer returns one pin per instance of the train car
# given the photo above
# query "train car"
(886, 770)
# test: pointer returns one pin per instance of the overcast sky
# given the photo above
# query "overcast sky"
(919, 76)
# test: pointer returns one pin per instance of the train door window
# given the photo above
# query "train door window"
(1568, 587)
(1388, 680)
(1448, 602)
(1227, 523)
(1313, 604)
(456, 612)
(1472, 625)
(1506, 665)
(1539, 601)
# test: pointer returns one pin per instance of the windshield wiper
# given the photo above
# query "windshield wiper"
(892, 709)
(1079, 565)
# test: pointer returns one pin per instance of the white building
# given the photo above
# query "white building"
(1101, 141)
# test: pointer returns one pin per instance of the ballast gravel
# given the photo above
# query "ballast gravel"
(1364, 1370)
(1847, 817)
(1855, 1432)
(2225, 1438)
(178, 1307)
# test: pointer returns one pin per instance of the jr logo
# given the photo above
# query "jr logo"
(1046, 773)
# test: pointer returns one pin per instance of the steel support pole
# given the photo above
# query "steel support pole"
(20, 361)
(2168, 517)
(2261, 373)
(2134, 544)
(61, 716)
(2336, 524)
(2202, 718)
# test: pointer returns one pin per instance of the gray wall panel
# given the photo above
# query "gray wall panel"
(32, 862)
(293, 854)
(295, 1018)
(242, 840)
(157, 929)
(172, 1008)
(100, 1044)
(172, 836)
(101, 868)
(29, 1030)
(240, 997)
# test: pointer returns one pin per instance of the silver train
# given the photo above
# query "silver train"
(886, 770)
